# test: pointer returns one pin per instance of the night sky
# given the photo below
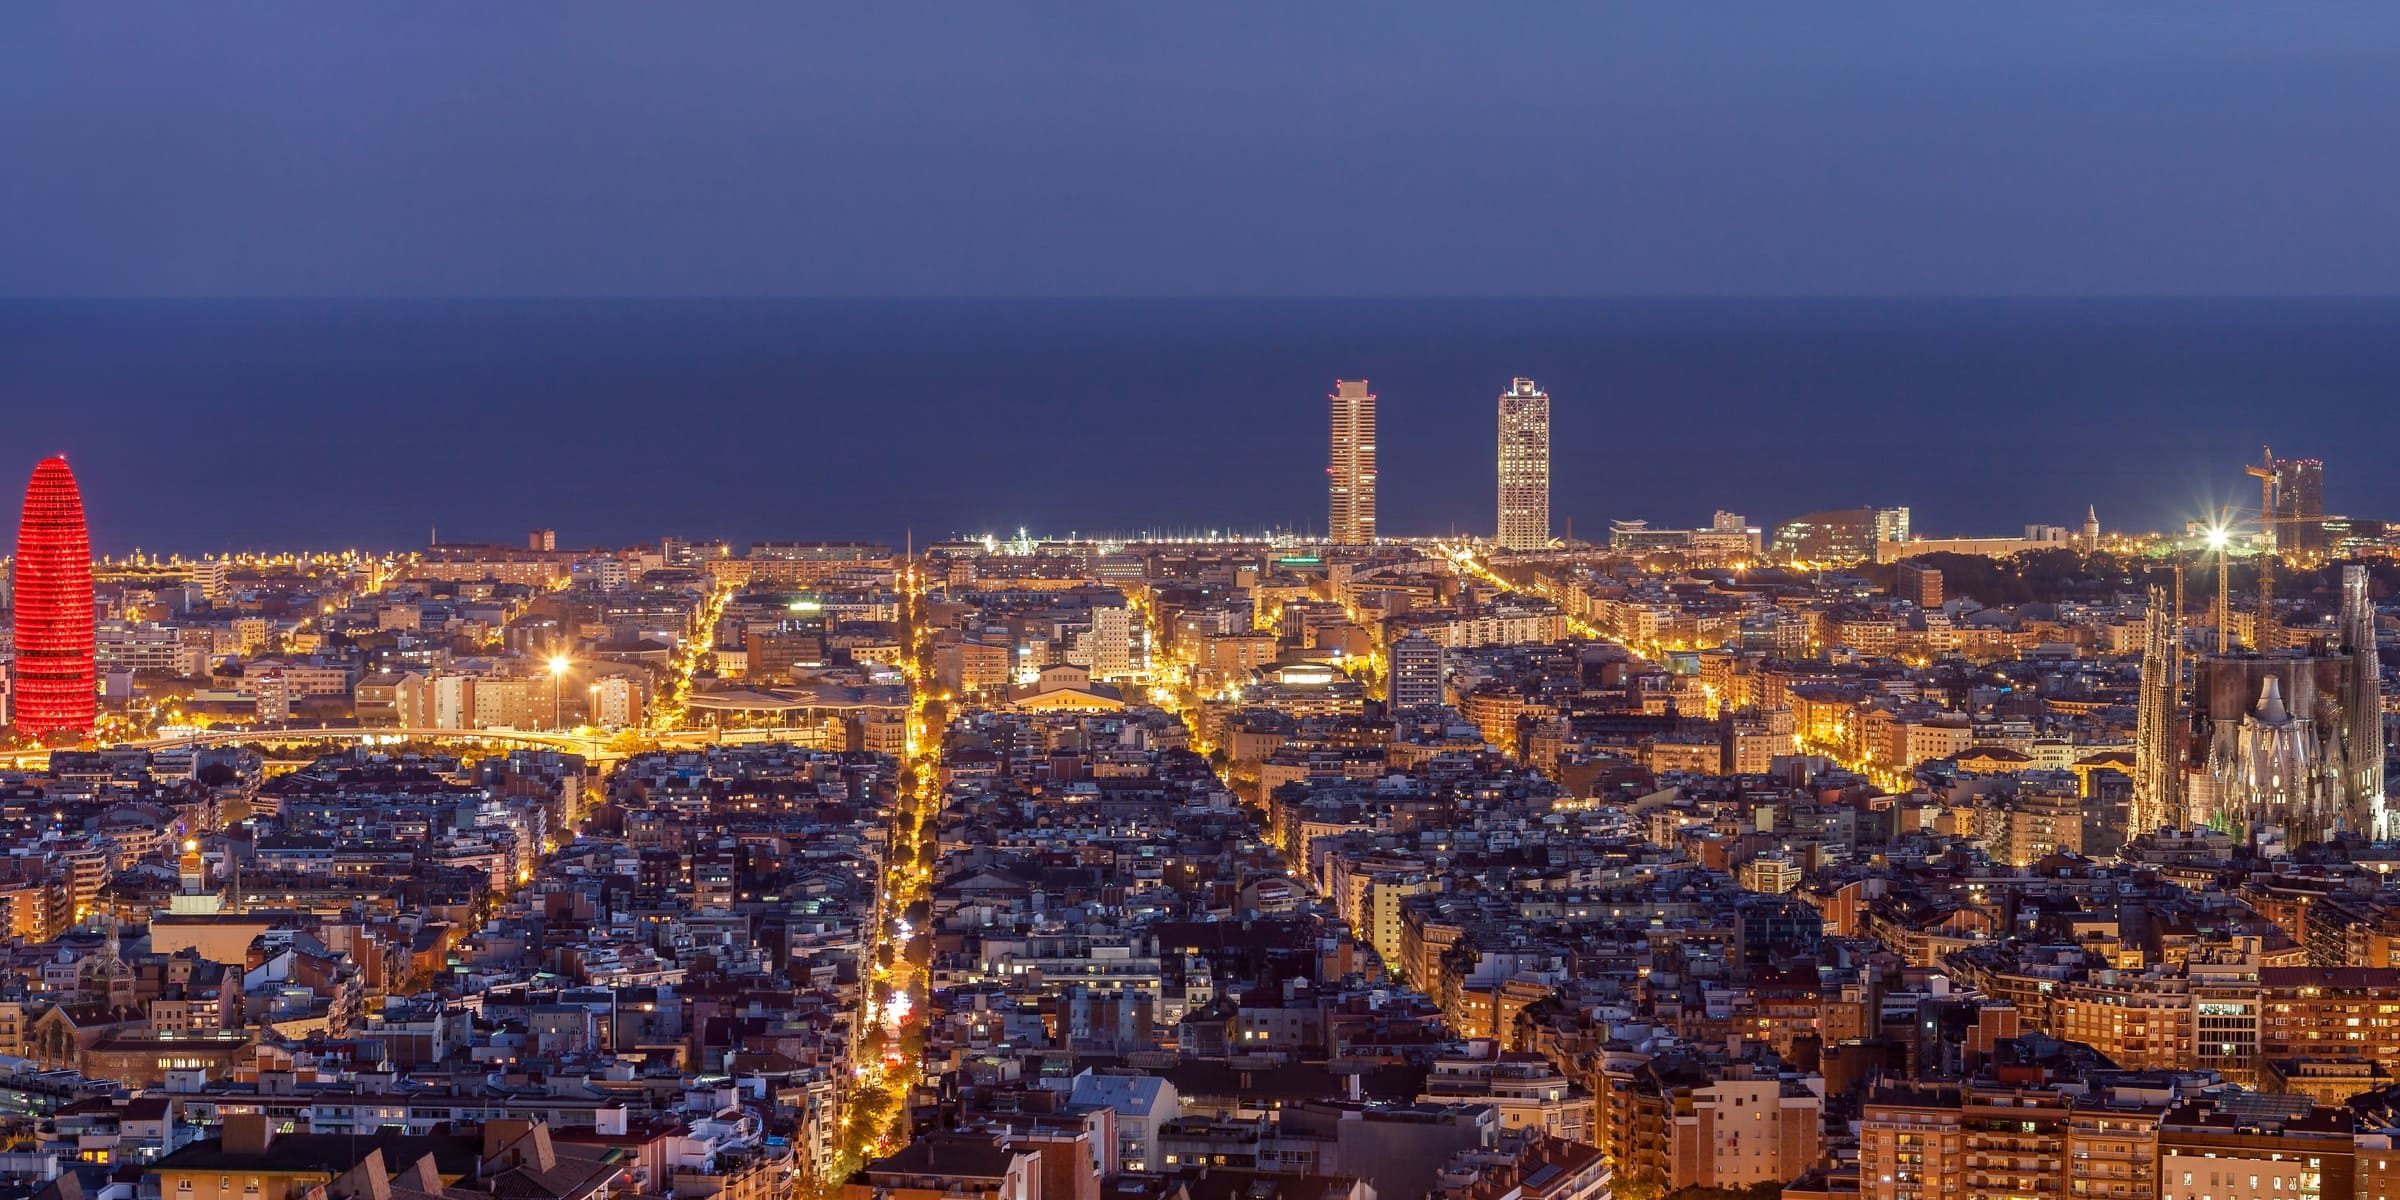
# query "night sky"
(892, 148)
(257, 261)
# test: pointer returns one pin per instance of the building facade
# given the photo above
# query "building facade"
(56, 681)
(1524, 467)
(1350, 476)
(1840, 536)
(2299, 526)
(1416, 672)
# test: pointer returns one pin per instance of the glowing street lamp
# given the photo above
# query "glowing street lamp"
(2219, 537)
(559, 664)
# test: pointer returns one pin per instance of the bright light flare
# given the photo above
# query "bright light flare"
(896, 1010)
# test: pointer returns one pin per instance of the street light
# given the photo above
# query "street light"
(558, 678)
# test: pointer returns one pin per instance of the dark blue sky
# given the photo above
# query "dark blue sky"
(894, 148)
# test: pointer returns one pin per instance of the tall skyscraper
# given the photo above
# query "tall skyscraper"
(1350, 477)
(1524, 466)
(55, 683)
(2300, 504)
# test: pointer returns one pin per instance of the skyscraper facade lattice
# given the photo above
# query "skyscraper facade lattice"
(1524, 467)
(1350, 475)
(55, 689)
(2299, 526)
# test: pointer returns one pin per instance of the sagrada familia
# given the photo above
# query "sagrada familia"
(2283, 741)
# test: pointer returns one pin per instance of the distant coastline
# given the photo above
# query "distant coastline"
(201, 425)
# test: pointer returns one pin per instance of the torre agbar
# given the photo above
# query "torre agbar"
(55, 688)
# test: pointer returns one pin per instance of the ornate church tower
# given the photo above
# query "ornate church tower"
(2157, 757)
(2363, 707)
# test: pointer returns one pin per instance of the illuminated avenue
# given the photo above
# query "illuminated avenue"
(1822, 859)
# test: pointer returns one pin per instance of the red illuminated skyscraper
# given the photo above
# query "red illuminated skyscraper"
(55, 687)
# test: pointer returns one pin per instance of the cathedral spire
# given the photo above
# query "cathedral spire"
(2271, 708)
(2362, 709)
(2157, 763)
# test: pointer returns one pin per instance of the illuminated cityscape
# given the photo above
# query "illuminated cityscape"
(734, 603)
(1691, 859)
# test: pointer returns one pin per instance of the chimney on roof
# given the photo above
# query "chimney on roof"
(539, 1153)
(517, 1144)
(247, 1133)
(497, 1135)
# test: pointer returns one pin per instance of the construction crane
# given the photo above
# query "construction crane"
(2267, 510)
(2271, 517)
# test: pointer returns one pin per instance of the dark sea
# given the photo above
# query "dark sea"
(202, 425)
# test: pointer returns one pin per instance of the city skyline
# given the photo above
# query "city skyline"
(2289, 524)
(2136, 409)
(1086, 600)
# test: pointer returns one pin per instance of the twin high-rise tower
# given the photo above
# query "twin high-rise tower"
(1350, 477)
(1524, 467)
(1524, 498)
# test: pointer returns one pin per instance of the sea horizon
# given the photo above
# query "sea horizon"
(202, 425)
